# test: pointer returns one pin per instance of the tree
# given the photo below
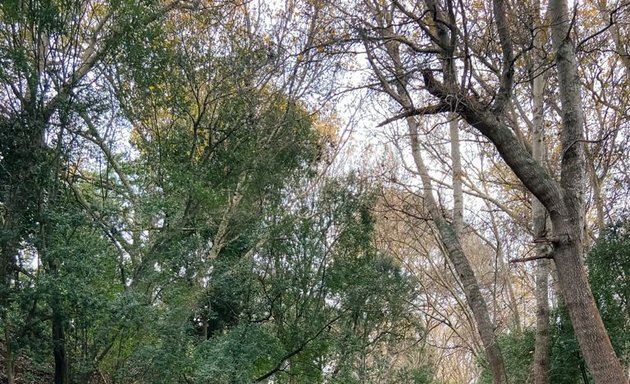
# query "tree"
(48, 51)
(608, 267)
(485, 110)
(169, 225)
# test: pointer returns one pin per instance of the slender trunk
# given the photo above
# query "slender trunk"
(598, 200)
(569, 223)
(46, 230)
(465, 274)
(543, 328)
(447, 231)
(539, 217)
(6, 269)
(505, 271)
(564, 201)
(59, 347)
(458, 194)
(57, 321)
(8, 359)
(204, 327)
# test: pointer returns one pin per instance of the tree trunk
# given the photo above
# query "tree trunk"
(59, 347)
(5, 273)
(505, 272)
(598, 199)
(568, 225)
(539, 217)
(448, 233)
(587, 323)
(465, 274)
(456, 158)
(8, 359)
(543, 330)
(564, 201)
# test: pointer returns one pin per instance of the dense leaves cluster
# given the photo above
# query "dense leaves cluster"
(160, 217)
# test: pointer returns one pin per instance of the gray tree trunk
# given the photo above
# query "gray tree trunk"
(456, 255)
(568, 227)
(539, 216)
(456, 164)
(398, 91)
(504, 271)
(8, 358)
(564, 200)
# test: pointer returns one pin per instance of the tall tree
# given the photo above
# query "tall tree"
(539, 216)
(48, 51)
(564, 199)
(393, 80)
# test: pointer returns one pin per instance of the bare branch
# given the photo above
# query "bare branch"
(532, 175)
(428, 110)
(531, 258)
(507, 74)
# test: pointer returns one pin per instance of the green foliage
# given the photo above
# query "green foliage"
(567, 365)
(207, 255)
(609, 275)
(518, 353)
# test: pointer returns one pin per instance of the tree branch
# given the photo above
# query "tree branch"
(428, 110)
(507, 74)
(531, 258)
(299, 349)
(535, 178)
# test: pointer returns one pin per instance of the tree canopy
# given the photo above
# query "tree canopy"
(196, 191)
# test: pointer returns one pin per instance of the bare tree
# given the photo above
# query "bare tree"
(408, 39)
(383, 31)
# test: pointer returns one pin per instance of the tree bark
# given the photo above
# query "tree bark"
(543, 330)
(8, 359)
(456, 158)
(563, 201)
(448, 233)
(564, 208)
(587, 323)
(598, 199)
(542, 347)
(59, 347)
(505, 273)
(6, 264)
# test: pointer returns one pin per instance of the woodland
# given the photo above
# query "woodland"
(314, 191)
